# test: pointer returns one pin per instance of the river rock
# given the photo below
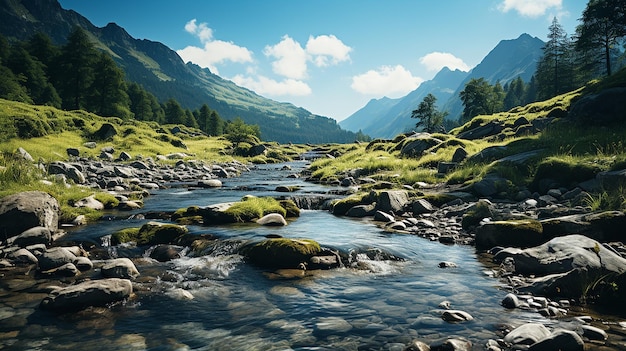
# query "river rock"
(66, 270)
(120, 268)
(164, 253)
(563, 254)
(383, 217)
(282, 252)
(23, 256)
(510, 301)
(210, 183)
(86, 294)
(527, 334)
(451, 344)
(360, 211)
(272, 219)
(83, 263)
(422, 206)
(55, 257)
(560, 339)
(594, 333)
(33, 236)
(518, 233)
(90, 202)
(393, 201)
(417, 345)
(21, 211)
(454, 316)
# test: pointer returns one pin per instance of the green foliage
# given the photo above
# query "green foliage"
(480, 98)
(238, 131)
(613, 200)
(430, 120)
(254, 207)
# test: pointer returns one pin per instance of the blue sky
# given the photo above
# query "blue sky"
(331, 56)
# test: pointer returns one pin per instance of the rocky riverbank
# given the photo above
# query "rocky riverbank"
(538, 253)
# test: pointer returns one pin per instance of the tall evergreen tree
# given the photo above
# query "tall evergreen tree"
(477, 97)
(33, 77)
(40, 46)
(515, 94)
(76, 69)
(140, 104)
(107, 92)
(603, 25)
(554, 67)
(174, 114)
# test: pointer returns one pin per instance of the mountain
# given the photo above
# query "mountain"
(508, 60)
(162, 72)
(386, 118)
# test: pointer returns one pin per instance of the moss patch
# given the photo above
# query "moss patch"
(282, 252)
(151, 233)
(253, 208)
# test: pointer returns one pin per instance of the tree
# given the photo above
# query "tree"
(33, 77)
(555, 69)
(238, 130)
(515, 94)
(75, 73)
(603, 25)
(107, 92)
(140, 104)
(429, 118)
(174, 114)
(476, 97)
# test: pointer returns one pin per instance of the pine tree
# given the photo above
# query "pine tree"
(33, 77)
(107, 93)
(140, 104)
(174, 114)
(515, 94)
(603, 25)
(75, 73)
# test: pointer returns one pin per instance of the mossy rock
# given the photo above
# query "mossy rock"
(521, 233)
(477, 213)
(564, 172)
(341, 207)
(151, 233)
(290, 207)
(277, 253)
(189, 215)
(249, 209)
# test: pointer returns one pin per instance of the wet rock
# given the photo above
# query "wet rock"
(560, 339)
(86, 294)
(451, 344)
(23, 256)
(563, 254)
(454, 316)
(527, 334)
(55, 257)
(164, 253)
(83, 263)
(333, 324)
(360, 211)
(32, 236)
(210, 183)
(272, 219)
(510, 301)
(417, 345)
(447, 264)
(383, 217)
(21, 211)
(119, 268)
(66, 270)
(594, 333)
(282, 252)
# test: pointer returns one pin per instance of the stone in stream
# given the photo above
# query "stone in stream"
(272, 219)
(22, 211)
(32, 236)
(55, 257)
(89, 202)
(119, 268)
(282, 252)
(560, 339)
(456, 316)
(86, 294)
(527, 334)
(164, 253)
(510, 301)
(451, 344)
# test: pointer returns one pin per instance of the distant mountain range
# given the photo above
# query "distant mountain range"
(386, 118)
(161, 71)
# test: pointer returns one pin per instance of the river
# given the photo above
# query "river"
(219, 302)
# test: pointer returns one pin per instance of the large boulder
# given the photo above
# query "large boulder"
(33, 236)
(518, 233)
(563, 254)
(393, 201)
(527, 334)
(602, 109)
(119, 268)
(560, 339)
(602, 226)
(416, 146)
(25, 210)
(86, 294)
(55, 257)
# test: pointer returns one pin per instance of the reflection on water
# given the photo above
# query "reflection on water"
(218, 302)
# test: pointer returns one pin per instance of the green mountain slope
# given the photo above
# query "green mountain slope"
(162, 72)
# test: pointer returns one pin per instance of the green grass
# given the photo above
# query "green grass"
(255, 207)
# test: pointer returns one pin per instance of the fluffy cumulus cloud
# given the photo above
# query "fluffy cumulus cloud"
(290, 58)
(435, 61)
(390, 81)
(213, 52)
(325, 50)
(266, 86)
(531, 8)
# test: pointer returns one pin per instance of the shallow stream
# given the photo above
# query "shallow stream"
(219, 302)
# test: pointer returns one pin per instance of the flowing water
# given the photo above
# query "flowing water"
(219, 302)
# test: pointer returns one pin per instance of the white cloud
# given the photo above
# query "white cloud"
(530, 8)
(387, 80)
(290, 58)
(435, 61)
(214, 51)
(266, 86)
(327, 47)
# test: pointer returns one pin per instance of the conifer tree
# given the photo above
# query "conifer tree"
(75, 73)
(107, 93)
